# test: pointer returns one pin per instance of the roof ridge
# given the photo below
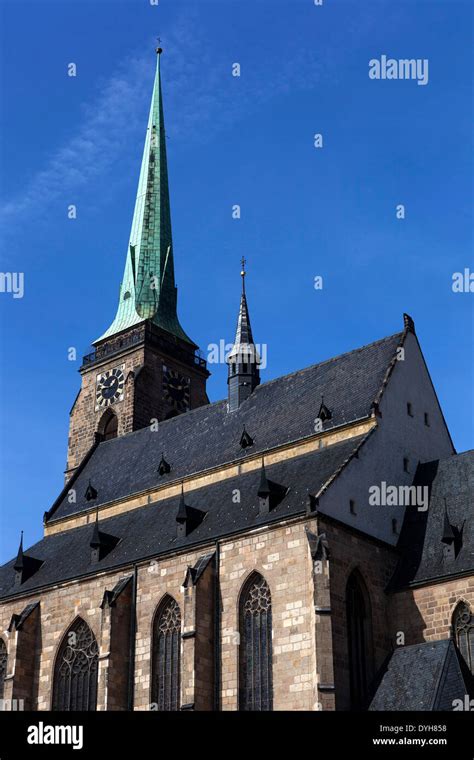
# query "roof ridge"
(223, 401)
(331, 359)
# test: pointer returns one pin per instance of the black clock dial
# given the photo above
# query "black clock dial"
(176, 389)
(110, 387)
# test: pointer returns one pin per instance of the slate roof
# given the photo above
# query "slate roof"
(427, 676)
(278, 412)
(151, 531)
(424, 556)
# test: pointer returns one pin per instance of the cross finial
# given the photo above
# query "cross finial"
(243, 262)
(159, 49)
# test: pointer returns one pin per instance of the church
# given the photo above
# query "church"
(229, 556)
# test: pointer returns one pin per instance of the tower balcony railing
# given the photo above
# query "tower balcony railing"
(140, 334)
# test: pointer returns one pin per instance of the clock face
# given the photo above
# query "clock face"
(109, 388)
(176, 389)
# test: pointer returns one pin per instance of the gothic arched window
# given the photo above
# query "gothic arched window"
(3, 666)
(111, 427)
(359, 640)
(463, 629)
(166, 656)
(75, 672)
(108, 425)
(255, 654)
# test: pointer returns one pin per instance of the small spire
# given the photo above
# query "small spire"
(18, 566)
(243, 358)
(182, 509)
(187, 518)
(264, 488)
(95, 540)
(101, 543)
(25, 565)
(243, 337)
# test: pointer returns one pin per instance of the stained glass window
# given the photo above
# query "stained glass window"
(463, 626)
(75, 673)
(256, 684)
(166, 656)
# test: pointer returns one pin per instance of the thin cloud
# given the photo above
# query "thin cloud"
(108, 123)
(201, 98)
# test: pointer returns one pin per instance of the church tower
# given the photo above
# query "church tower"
(243, 358)
(144, 368)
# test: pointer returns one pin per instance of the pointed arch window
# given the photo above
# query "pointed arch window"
(359, 638)
(255, 653)
(463, 629)
(75, 672)
(165, 692)
(108, 425)
(3, 666)
(111, 427)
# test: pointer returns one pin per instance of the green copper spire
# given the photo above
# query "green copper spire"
(148, 289)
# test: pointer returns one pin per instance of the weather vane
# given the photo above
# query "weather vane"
(159, 49)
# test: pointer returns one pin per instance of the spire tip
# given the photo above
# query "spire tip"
(243, 262)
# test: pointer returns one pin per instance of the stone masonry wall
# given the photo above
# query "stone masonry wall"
(376, 563)
(425, 613)
(84, 419)
(282, 556)
(59, 607)
(306, 643)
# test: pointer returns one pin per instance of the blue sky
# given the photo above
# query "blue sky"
(248, 141)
